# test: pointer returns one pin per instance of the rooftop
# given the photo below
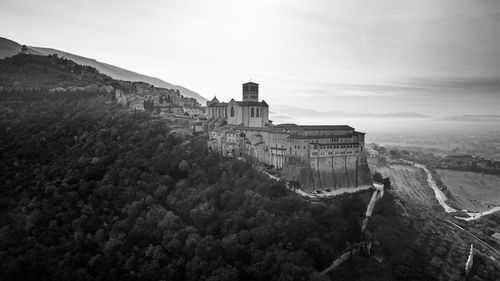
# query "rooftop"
(326, 127)
(348, 135)
(251, 103)
(292, 126)
(496, 235)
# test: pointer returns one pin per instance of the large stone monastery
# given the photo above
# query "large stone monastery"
(317, 156)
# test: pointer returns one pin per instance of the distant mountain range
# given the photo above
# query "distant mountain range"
(9, 48)
(299, 111)
(471, 118)
(286, 113)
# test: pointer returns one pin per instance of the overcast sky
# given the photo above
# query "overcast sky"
(429, 56)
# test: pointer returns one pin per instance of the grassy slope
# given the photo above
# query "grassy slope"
(472, 191)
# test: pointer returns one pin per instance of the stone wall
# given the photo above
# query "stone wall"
(328, 172)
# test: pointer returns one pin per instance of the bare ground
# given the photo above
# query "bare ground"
(472, 191)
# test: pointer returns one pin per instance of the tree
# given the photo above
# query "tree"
(377, 177)
(353, 231)
(387, 183)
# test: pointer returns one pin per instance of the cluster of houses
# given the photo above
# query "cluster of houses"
(143, 96)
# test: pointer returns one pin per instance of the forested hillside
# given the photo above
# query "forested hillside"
(92, 192)
(45, 72)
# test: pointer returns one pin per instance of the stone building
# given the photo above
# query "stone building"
(194, 111)
(120, 97)
(248, 112)
(317, 156)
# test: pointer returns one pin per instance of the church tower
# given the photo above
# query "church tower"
(251, 91)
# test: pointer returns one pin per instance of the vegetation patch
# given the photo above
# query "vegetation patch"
(92, 192)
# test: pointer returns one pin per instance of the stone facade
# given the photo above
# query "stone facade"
(319, 157)
(249, 112)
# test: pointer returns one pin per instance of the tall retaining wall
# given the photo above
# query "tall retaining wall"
(328, 172)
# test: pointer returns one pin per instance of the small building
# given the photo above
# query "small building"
(196, 127)
(169, 109)
(120, 97)
(24, 50)
(194, 111)
(496, 235)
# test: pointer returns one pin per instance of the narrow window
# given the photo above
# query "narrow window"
(252, 112)
(232, 111)
(257, 113)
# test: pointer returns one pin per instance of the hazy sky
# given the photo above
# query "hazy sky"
(430, 56)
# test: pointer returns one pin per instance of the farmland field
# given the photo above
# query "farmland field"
(470, 190)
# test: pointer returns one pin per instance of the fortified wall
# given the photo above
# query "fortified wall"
(328, 173)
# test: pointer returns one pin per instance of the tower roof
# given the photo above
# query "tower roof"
(250, 83)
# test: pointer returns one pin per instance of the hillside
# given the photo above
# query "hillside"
(9, 48)
(43, 72)
(93, 192)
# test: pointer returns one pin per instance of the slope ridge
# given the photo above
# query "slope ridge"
(10, 48)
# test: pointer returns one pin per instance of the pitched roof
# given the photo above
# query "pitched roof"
(251, 103)
(496, 235)
(300, 136)
(326, 127)
(214, 100)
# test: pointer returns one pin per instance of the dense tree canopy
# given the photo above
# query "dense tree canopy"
(92, 192)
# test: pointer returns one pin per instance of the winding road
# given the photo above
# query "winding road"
(441, 197)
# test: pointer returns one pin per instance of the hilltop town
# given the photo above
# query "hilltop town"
(317, 157)
(26, 73)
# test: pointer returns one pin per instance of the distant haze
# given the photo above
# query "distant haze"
(431, 57)
(401, 122)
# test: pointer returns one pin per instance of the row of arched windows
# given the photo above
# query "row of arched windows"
(255, 112)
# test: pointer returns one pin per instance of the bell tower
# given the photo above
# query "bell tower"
(251, 91)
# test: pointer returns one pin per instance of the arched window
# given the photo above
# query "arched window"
(232, 111)
(252, 112)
